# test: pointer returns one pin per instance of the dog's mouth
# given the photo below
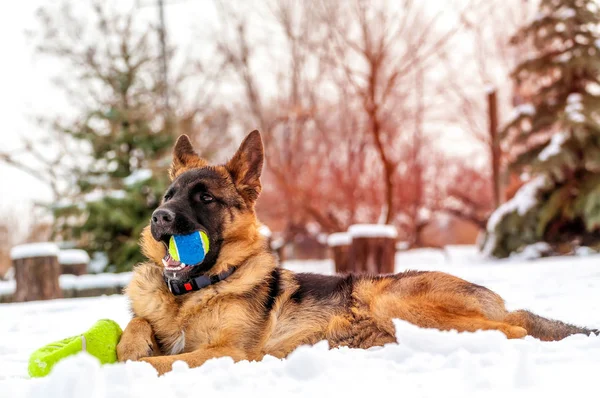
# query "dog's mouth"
(171, 264)
(174, 269)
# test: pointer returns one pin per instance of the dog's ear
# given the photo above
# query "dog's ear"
(184, 157)
(246, 166)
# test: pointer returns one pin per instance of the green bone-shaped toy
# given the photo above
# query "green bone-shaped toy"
(100, 341)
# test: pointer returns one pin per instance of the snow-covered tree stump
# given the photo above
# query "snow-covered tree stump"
(339, 244)
(73, 261)
(36, 271)
(373, 248)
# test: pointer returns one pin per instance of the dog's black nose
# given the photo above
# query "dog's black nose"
(163, 217)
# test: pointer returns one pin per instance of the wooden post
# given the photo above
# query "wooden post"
(495, 149)
(339, 244)
(36, 271)
(373, 248)
(73, 261)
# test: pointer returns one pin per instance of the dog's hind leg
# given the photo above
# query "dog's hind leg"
(443, 319)
(444, 315)
(137, 341)
(543, 328)
(473, 324)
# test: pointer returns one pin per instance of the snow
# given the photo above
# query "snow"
(137, 176)
(425, 363)
(566, 13)
(73, 256)
(402, 245)
(524, 199)
(93, 196)
(372, 231)
(322, 238)
(117, 194)
(421, 257)
(577, 117)
(94, 281)
(524, 110)
(489, 88)
(98, 262)
(40, 249)
(532, 251)
(581, 39)
(313, 228)
(574, 108)
(462, 253)
(315, 266)
(9, 275)
(277, 243)
(98, 195)
(564, 57)
(339, 239)
(522, 202)
(553, 148)
(79, 282)
(585, 251)
(574, 98)
(423, 214)
(63, 204)
(265, 231)
(7, 287)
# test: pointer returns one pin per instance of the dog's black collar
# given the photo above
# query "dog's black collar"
(194, 284)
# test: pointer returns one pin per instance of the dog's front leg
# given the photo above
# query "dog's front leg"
(137, 341)
(164, 364)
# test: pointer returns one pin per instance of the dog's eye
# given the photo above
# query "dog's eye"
(169, 194)
(203, 197)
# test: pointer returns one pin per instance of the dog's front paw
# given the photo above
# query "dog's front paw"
(136, 342)
(134, 349)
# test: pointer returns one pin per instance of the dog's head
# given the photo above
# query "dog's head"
(218, 200)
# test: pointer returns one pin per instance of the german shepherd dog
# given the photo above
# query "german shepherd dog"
(239, 303)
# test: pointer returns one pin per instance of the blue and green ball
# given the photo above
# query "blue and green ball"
(189, 249)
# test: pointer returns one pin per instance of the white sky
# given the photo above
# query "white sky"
(24, 89)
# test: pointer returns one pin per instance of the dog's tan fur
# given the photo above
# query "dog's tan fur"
(250, 314)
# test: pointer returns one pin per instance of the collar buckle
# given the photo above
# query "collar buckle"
(177, 288)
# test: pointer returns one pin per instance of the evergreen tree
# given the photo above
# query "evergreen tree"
(127, 136)
(555, 139)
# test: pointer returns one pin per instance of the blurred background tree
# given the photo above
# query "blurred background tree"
(123, 127)
(371, 111)
(554, 138)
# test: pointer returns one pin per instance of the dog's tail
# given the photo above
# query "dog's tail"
(543, 328)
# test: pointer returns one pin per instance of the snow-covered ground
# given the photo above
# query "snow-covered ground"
(78, 282)
(426, 363)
